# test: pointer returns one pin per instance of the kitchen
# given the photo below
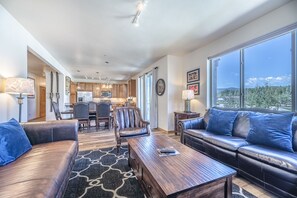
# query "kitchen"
(118, 94)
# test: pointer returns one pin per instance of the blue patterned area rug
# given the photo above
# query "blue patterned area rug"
(103, 173)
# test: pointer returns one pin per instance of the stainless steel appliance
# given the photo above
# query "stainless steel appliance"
(106, 94)
(84, 96)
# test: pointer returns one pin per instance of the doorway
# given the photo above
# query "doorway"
(42, 103)
(37, 102)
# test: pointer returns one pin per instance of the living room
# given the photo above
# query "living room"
(209, 48)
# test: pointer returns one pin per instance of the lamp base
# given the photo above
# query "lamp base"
(20, 101)
(187, 106)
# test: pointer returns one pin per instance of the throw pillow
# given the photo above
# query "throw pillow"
(273, 130)
(13, 141)
(221, 121)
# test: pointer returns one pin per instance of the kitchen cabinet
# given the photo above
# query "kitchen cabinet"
(117, 90)
(89, 86)
(122, 91)
(132, 88)
(96, 90)
(81, 86)
(73, 88)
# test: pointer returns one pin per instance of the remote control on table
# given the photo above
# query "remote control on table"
(167, 150)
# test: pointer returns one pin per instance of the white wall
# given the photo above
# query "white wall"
(175, 87)
(162, 100)
(169, 69)
(279, 18)
(14, 43)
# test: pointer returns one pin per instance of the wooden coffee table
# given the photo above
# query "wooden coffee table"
(188, 174)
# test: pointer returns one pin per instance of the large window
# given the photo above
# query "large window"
(257, 76)
(226, 80)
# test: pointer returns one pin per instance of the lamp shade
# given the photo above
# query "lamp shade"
(188, 94)
(23, 86)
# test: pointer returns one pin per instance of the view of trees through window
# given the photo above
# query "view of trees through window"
(267, 76)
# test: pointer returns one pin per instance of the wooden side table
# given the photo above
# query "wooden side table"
(181, 116)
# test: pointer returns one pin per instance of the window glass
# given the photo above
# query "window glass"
(226, 80)
(267, 74)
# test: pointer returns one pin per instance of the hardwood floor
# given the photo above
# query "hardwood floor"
(90, 140)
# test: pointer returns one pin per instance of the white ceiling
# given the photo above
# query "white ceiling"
(84, 34)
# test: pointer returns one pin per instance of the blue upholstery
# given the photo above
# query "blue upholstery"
(13, 142)
(221, 122)
(274, 130)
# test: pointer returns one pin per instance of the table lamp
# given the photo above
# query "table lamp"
(21, 86)
(188, 95)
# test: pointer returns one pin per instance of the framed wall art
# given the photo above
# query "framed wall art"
(193, 75)
(67, 85)
(160, 87)
(195, 87)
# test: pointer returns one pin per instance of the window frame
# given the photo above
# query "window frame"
(292, 29)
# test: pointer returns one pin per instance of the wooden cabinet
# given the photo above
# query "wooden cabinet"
(89, 86)
(73, 89)
(117, 90)
(96, 90)
(81, 86)
(122, 91)
(183, 115)
(132, 88)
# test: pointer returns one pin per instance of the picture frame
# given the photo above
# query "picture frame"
(195, 87)
(193, 75)
(33, 95)
(160, 87)
(67, 85)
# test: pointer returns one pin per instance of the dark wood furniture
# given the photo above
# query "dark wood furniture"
(128, 123)
(181, 116)
(188, 174)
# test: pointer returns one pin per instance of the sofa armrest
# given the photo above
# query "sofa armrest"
(146, 125)
(51, 131)
(192, 123)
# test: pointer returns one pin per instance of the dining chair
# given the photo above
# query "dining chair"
(103, 114)
(81, 113)
(128, 123)
(92, 111)
(57, 111)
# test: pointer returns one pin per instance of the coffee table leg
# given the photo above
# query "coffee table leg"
(228, 187)
(129, 158)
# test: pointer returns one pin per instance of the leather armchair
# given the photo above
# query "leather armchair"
(129, 124)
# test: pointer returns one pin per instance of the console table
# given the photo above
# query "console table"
(183, 115)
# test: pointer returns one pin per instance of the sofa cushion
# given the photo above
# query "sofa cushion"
(221, 122)
(39, 172)
(128, 132)
(199, 133)
(13, 141)
(241, 126)
(274, 130)
(227, 142)
(279, 158)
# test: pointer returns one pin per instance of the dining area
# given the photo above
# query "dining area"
(89, 114)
